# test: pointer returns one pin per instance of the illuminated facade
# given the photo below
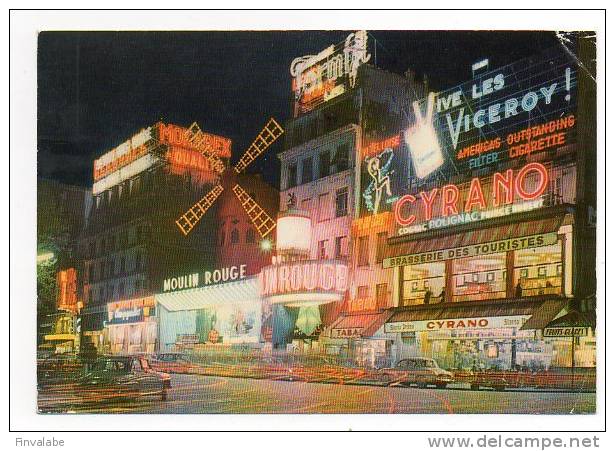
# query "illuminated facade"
(341, 103)
(493, 249)
(61, 214)
(131, 242)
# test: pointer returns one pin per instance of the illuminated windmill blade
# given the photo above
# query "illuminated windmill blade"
(196, 137)
(188, 220)
(265, 138)
(261, 220)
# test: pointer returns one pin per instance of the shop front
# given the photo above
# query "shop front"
(476, 335)
(360, 338)
(465, 293)
(215, 315)
(131, 327)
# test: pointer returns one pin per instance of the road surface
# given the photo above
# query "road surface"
(208, 394)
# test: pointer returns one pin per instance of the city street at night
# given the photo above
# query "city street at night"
(204, 394)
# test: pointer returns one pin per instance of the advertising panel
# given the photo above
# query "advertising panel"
(473, 250)
(332, 72)
(495, 322)
(525, 108)
(130, 311)
(382, 175)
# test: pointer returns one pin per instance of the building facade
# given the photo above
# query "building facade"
(348, 104)
(492, 255)
(131, 241)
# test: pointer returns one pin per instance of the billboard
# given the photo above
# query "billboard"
(383, 173)
(332, 72)
(525, 108)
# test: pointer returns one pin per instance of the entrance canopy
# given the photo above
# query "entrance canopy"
(245, 290)
(508, 313)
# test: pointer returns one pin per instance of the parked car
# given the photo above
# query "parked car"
(418, 370)
(125, 376)
(58, 369)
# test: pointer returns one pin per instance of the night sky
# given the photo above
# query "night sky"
(95, 89)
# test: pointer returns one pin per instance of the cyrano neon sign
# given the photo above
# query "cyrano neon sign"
(504, 188)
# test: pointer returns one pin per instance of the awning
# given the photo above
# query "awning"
(211, 296)
(355, 326)
(574, 319)
(483, 235)
(471, 309)
(547, 311)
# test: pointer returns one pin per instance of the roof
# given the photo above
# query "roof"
(473, 309)
(547, 311)
(574, 319)
(245, 290)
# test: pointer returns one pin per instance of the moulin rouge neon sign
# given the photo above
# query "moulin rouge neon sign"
(505, 187)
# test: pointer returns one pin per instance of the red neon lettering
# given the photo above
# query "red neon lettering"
(506, 182)
(408, 198)
(428, 201)
(475, 196)
(450, 195)
(542, 185)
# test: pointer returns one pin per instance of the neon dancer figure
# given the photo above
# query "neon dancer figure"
(379, 181)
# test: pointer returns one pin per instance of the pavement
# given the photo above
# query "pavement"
(210, 394)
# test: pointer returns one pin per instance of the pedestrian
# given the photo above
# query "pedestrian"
(428, 295)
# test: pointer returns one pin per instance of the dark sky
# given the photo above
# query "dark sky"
(97, 89)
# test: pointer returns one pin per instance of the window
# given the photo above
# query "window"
(323, 210)
(341, 160)
(381, 295)
(538, 270)
(422, 283)
(341, 246)
(324, 161)
(306, 204)
(306, 170)
(362, 291)
(381, 246)
(250, 237)
(234, 236)
(120, 290)
(483, 278)
(363, 251)
(322, 249)
(138, 262)
(341, 202)
(122, 265)
(292, 176)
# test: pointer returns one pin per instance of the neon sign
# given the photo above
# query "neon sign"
(304, 276)
(124, 154)
(379, 176)
(527, 107)
(423, 141)
(529, 184)
(319, 78)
